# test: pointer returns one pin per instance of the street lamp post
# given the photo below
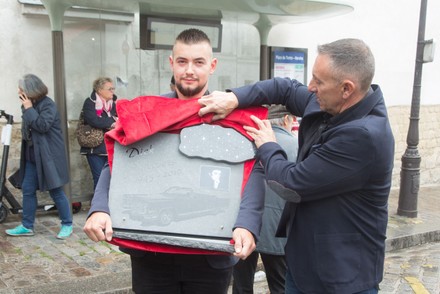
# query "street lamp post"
(410, 170)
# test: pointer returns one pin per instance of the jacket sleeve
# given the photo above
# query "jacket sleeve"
(291, 93)
(252, 203)
(338, 166)
(104, 122)
(42, 117)
(100, 198)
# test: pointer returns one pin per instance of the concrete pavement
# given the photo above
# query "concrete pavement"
(44, 264)
(408, 270)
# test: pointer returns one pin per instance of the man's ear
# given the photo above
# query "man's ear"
(286, 119)
(170, 58)
(348, 87)
(213, 65)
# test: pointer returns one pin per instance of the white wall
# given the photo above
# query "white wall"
(25, 47)
(390, 27)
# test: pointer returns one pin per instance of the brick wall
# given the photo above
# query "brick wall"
(429, 149)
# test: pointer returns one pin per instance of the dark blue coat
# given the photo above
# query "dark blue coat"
(48, 143)
(336, 234)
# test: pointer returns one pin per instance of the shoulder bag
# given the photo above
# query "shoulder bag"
(88, 136)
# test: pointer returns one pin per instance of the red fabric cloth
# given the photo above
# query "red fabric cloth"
(146, 115)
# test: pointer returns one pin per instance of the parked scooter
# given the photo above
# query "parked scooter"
(13, 205)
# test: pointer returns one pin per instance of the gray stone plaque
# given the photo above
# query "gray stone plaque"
(163, 191)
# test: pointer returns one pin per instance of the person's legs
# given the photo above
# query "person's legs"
(62, 204)
(154, 274)
(63, 207)
(29, 188)
(275, 268)
(243, 274)
(96, 164)
(177, 273)
(198, 277)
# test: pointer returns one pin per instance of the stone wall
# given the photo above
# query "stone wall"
(429, 149)
(429, 141)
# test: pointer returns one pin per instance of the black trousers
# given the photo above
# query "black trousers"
(274, 266)
(177, 274)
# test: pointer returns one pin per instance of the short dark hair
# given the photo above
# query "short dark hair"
(192, 36)
(33, 87)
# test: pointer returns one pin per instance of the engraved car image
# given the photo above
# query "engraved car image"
(174, 204)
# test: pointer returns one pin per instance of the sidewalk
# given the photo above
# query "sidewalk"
(44, 264)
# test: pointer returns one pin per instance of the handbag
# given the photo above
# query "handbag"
(88, 136)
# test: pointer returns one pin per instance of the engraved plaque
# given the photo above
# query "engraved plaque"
(168, 189)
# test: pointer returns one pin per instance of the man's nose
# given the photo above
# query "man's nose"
(190, 67)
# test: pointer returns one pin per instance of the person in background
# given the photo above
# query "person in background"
(270, 248)
(43, 160)
(99, 111)
(337, 191)
(172, 84)
(192, 63)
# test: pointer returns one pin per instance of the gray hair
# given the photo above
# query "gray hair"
(279, 121)
(350, 58)
(100, 82)
(33, 87)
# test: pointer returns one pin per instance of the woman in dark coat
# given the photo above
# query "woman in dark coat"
(99, 111)
(43, 162)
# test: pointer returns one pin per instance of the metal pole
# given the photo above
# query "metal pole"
(410, 170)
(60, 95)
(264, 62)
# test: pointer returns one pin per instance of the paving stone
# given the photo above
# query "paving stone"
(79, 265)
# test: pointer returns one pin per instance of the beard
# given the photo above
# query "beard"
(188, 92)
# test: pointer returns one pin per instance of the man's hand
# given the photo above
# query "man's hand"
(244, 243)
(98, 227)
(263, 134)
(221, 103)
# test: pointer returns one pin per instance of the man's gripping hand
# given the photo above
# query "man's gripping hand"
(244, 243)
(98, 227)
(220, 103)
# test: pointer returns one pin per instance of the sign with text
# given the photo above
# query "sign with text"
(289, 63)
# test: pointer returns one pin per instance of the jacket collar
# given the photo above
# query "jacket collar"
(372, 103)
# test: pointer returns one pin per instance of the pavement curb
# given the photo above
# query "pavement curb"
(407, 241)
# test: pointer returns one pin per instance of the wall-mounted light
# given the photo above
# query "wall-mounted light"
(428, 51)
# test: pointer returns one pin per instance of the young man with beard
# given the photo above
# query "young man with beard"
(192, 63)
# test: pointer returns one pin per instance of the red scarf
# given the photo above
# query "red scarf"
(146, 115)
